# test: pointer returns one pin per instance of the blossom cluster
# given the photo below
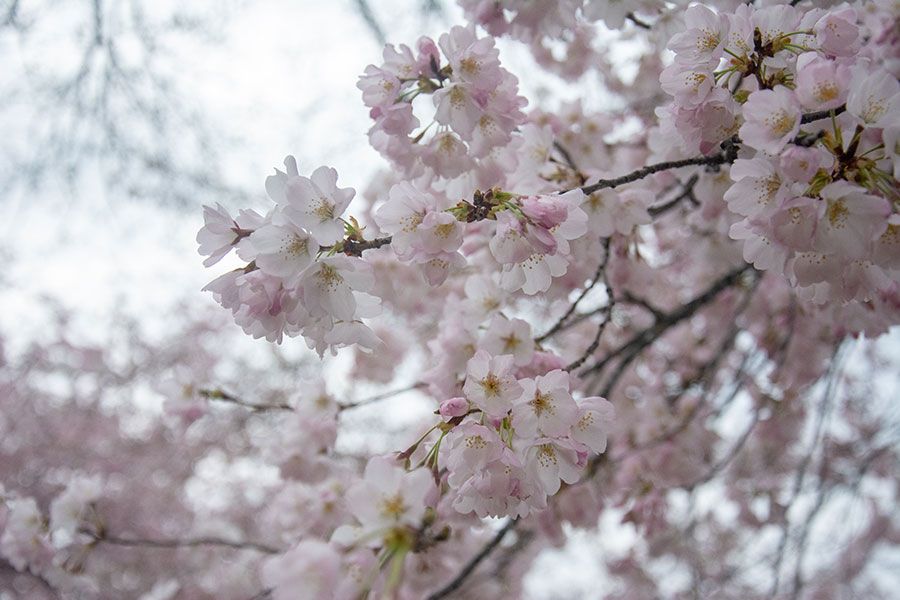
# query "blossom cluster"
(790, 126)
(519, 439)
(476, 103)
(291, 283)
(817, 119)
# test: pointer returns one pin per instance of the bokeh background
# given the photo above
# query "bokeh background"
(121, 118)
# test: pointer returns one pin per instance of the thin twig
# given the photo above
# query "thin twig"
(728, 156)
(821, 114)
(686, 194)
(832, 377)
(597, 277)
(223, 396)
(637, 21)
(567, 156)
(185, 543)
(382, 396)
(457, 582)
(632, 347)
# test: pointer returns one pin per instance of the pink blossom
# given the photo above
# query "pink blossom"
(220, 232)
(387, 497)
(689, 84)
(379, 86)
(473, 60)
(595, 418)
(457, 108)
(821, 84)
(545, 406)
(283, 250)
(801, 164)
(509, 336)
(71, 507)
(704, 40)
(550, 461)
(509, 244)
(440, 232)
(447, 155)
(772, 118)
(545, 211)
(837, 32)
(758, 189)
(874, 97)
(24, 541)
(330, 285)
(316, 204)
(490, 383)
(850, 220)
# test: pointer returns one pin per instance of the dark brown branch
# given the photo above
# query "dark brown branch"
(728, 156)
(637, 21)
(567, 156)
(821, 114)
(726, 460)
(602, 326)
(686, 194)
(630, 349)
(382, 396)
(223, 396)
(596, 341)
(476, 560)
(356, 248)
(184, 543)
(597, 276)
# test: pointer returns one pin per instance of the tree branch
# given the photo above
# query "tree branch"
(598, 275)
(223, 396)
(183, 543)
(821, 114)
(728, 156)
(457, 582)
(636, 344)
(382, 396)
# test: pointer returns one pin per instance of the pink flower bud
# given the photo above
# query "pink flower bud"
(546, 211)
(454, 407)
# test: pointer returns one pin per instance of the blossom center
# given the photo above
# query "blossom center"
(708, 40)
(874, 109)
(546, 455)
(297, 246)
(475, 442)
(491, 385)
(826, 91)
(510, 343)
(780, 123)
(469, 66)
(324, 210)
(393, 507)
(444, 230)
(837, 214)
(329, 277)
(542, 403)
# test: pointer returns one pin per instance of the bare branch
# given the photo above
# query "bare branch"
(224, 396)
(476, 560)
(183, 543)
(598, 275)
(382, 396)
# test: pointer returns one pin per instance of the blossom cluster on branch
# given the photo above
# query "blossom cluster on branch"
(610, 313)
